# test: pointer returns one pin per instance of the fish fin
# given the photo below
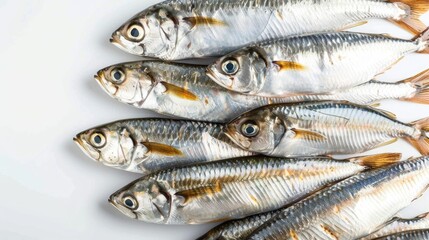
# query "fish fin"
(422, 143)
(162, 149)
(421, 83)
(386, 143)
(188, 195)
(288, 65)
(357, 24)
(307, 134)
(415, 9)
(374, 105)
(423, 215)
(387, 113)
(200, 21)
(377, 160)
(179, 92)
(390, 67)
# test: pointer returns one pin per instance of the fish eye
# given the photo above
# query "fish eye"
(117, 75)
(135, 32)
(230, 67)
(98, 140)
(249, 129)
(130, 202)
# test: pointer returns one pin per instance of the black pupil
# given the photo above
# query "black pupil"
(230, 67)
(129, 203)
(250, 129)
(97, 139)
(135, 33)
(117, 75)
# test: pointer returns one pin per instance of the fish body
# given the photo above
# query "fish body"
(351, 208)
(238, 229)
(184, 90)
(319, 63)
(233, 188)
(180, 29)
(148, 145)
(421, 234)
(321, 128)
(398, 225)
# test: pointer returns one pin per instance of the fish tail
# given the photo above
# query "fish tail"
(377, 160)
(423, 41)
(421, 83)
(415, 9)
(421, 143)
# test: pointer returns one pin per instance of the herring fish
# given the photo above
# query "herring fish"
(319, 63)
(398, 225)
(180, 29)
(322, 128)
(148, 145)
(421, 234)
(234, 188)
(351, 209)
(184, 90)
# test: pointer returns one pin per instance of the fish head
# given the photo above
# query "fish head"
(130, 83)
(257, 131)
(151, 33)
(111, 145)
(144, 199)
(243, 71)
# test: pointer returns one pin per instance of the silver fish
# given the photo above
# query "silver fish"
(320, 128)
(351, 208)
(185, 91)
(398, 225)
(148, 145)
(179, 29)
(233, 188)
(421, 234)
(319, 63)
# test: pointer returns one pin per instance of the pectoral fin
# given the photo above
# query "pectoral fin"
(288, 65)
(188, 195)
(203, 21)
(308, 135)
(162, 149)
(179, 92)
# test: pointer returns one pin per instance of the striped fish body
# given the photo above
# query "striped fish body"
(148, 145)
(182, 29)
(351, 208)
(311, 64)
(398, 225)
(234, 188)
(316, 128)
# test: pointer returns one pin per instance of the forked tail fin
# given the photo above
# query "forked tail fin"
(422, 143)
(416, 9)
(421, 83)
(377, 160)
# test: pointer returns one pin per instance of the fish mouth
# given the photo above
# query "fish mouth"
(127, 212)
(87, 149)
(120, 42)
(110, 90)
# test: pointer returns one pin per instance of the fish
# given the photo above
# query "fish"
(322, 128)
(420, 234)
(312, 64)
(185, 91)
(183, 29)
(234, 188)
(148, 145)
(351, 209)
(397, 225)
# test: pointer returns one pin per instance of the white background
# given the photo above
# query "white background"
(49, 52)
